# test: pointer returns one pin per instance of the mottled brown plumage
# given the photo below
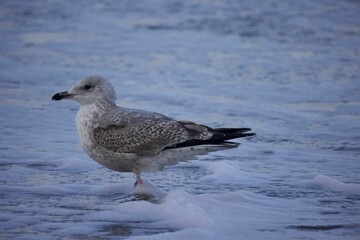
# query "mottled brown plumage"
(148, 136)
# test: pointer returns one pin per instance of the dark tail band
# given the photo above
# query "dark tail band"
(220, 136)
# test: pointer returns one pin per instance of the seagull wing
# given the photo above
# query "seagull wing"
(144, 133)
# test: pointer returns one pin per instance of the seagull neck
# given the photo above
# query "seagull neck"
(105, 104)
(99, 107)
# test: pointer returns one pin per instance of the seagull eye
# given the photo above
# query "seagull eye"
(87, 87)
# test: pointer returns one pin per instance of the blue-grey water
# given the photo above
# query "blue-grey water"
(290, 70)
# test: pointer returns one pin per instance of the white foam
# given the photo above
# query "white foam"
(223, 172)
(210, 216)
(330, 184)
(147, 188)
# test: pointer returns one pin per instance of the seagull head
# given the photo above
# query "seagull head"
(93, 89)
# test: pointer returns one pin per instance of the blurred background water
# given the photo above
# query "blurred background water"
(287, 69)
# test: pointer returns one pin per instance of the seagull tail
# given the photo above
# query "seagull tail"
(223, 134)
(220, 136)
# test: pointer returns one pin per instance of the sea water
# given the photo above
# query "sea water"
(287, 69)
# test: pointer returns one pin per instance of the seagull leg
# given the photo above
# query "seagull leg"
(138, 178)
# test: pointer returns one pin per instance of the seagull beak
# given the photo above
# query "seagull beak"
(61, 95)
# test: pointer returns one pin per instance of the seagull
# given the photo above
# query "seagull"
(132, 140)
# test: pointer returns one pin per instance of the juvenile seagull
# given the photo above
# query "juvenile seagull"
(131, 140)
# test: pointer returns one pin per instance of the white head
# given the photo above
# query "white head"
(93, 89)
